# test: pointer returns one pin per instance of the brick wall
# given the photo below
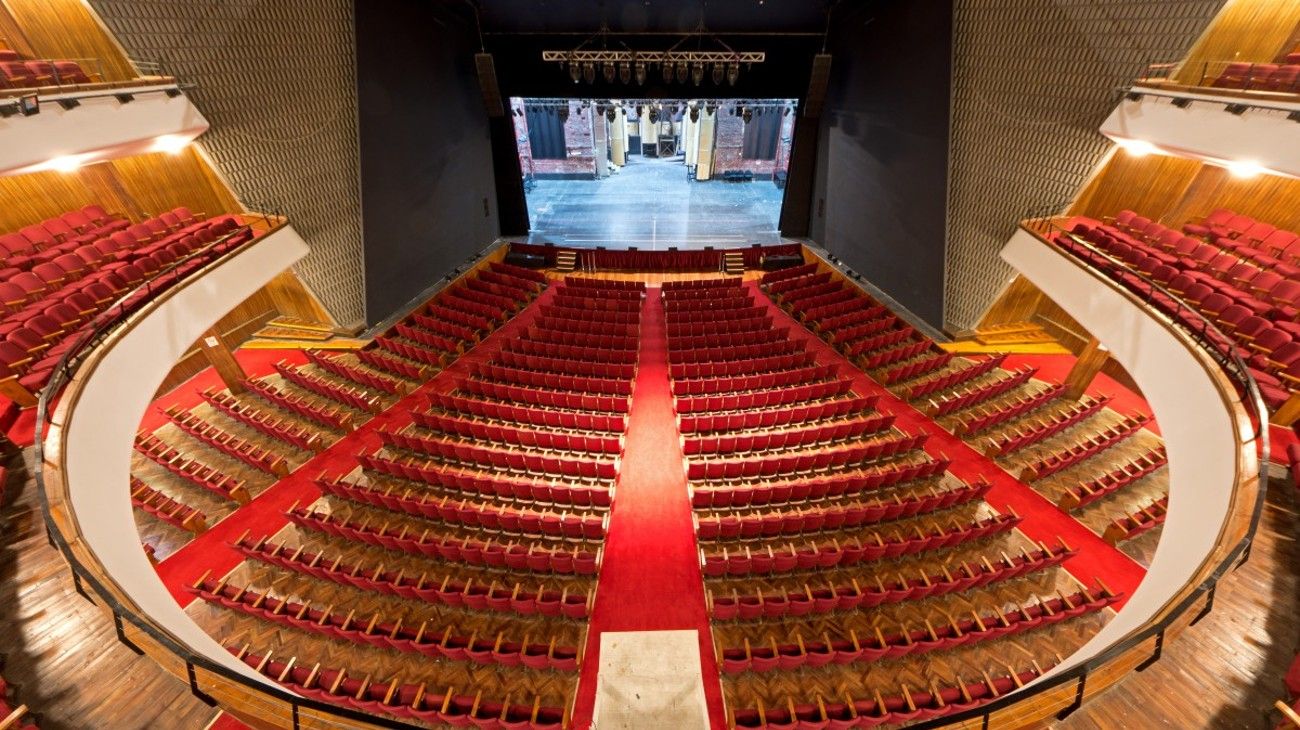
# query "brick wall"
(580, 157)
(729, 145)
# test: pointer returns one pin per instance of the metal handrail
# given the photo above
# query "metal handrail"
(1210, 71)
(1187, 319)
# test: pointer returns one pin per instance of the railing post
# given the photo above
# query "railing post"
(1209, 604)
(203, 697)
(1078, 697)
(295, 716)
(76, 585)
(121, 634)
(1155, 655)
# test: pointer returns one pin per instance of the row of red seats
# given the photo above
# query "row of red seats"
(917, 368)
(1114, 480)
(519, 462)
(798, 520)
(379, 360)
(972, 396)
(713, 291)
(167, 509)
(806, 290)
(814, 308)
(754, 657)
(518, 272)
(453, 332)
(210, 434)
(868, 345)
(515, 556)
(1040, 429)
(757, 336)
(747, 324)
(543, 397)
(750, 420)
(568, 383)
(1074, 453)
(411, 702)
(954, 378)
(390, 635)
(841, 555)
(592, 301)
(565, 366)
(789, 438)
(774, 278)
(443, 590)
(409, 351)
(686, 285)
(735, 351)
(362, 378)
(854, 596)
(476, 483)
(674, 307)
(585, 326)
(562, 337)
(721, 315)
(1279, 77)
(505, 298)
(821, 460)
(513, 290)
(58, 235)
(511, 434)
(472, 513)
(756, 381)
(282, 429)
(774, 365)
(329, 416)
(839, 327)
(705, 496)
(571, 352)
(202, 475)
(477, 321)
(1022, 405)
(17, 73)
(584, 314)
(767, 398)
(573, 420)
(1143, 519)
(896, 354)
(607, 285)
(358, 398)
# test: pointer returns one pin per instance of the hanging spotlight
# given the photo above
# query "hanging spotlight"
(710, 108)
(733, 72)
(640, 110)
(589, 72)
(695, 114)
(609, 72)
(575, 71)
(625, 72)
(564, 113)
(683, 71)
(733, 111)
(610, 114)
(654, 114)
(787, 111)
(747, 114)
(668, 71)
(697, 74)
(719, 73)
(640, 73)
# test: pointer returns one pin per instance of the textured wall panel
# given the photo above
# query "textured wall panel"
(1032, 81)
(277, 80)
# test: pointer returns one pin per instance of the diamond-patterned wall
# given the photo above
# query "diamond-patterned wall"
(1032, 81)
(277, 80)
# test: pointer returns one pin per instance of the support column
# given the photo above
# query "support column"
(1090, 362)
(223, 361)
(600, 142)
(1288, 413)
(704, 147)
(618, 137)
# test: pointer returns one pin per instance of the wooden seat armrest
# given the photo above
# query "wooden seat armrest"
(14, 719)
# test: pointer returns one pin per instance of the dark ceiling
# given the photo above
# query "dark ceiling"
(654, 16)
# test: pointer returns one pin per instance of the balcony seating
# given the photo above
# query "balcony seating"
(328, 416)
(280, 429)
(17, 74)
(174, 513)
(435, 642)
(199, 474)
(1282, 78)
(411, 702)
(1041, 429)
(1114, 480)
(1142, 520)
(971, 424)
(352, 397)
(213, 436)
(1085, 449)
(472, 482)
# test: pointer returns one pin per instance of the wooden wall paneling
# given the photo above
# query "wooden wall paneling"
(162, 181)
(106, 188)
(32, 198)
(1266, 197)
(11, 34)
(1149, 184)
(70, 29)
(292, 298)
(234, 329)
(1254, 31)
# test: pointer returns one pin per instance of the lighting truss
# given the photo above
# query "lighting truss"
(691, 57)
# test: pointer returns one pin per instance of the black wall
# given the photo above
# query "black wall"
(882, 161)
(427, 189)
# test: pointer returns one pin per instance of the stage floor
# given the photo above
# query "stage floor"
(651, 204)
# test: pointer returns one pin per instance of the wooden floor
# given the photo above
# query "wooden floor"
(1226, 671)
(60, 650)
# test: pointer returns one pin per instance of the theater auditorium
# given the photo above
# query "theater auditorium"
(649, 364)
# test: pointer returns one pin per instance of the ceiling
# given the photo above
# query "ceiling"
(654, 16)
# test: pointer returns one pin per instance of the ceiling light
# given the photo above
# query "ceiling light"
(170, 143)
(1136, 147)
(1244, 168)
(65, 163)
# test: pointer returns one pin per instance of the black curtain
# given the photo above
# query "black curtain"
(545, 133)
(762, 135)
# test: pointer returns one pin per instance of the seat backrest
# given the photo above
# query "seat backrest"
(96, 213)
(39, 237)
(15, 243)
(16, 73)
(70, 72)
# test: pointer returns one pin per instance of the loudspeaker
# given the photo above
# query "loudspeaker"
(821, 75)
(487, 81)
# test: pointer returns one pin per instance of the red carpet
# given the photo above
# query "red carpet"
(650, 579)
(265, 514)
(1043, 521)
(226, 722)
(1054, 368)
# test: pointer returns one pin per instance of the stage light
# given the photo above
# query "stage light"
(710, 108)
(695, 114)
(1181, 102)
(172, 93)
(124, 98)
(654, 114)
(747, 114)
(68, 104)
(610, 114)
(787, 111)
(667, 67)
(719, 73)
(609, 72)
(625, 72)
(683, 71)
(733, 73)
(1136, 147)
(640, 73)
(564, 113)
(1244, 169)
(170, 143)
(697, 74)
(1237, 109)
(575, 71)
(589, 72)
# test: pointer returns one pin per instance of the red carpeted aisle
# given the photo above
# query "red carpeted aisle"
(265, 514)
(1042, 520)
(650, 579)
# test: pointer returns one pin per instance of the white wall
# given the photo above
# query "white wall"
(99, 434)
(1194, 422)
(100, 128)
(1204, 130)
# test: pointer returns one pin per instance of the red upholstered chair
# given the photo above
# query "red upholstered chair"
(71, 72)
(42, 71)
(16, 75)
